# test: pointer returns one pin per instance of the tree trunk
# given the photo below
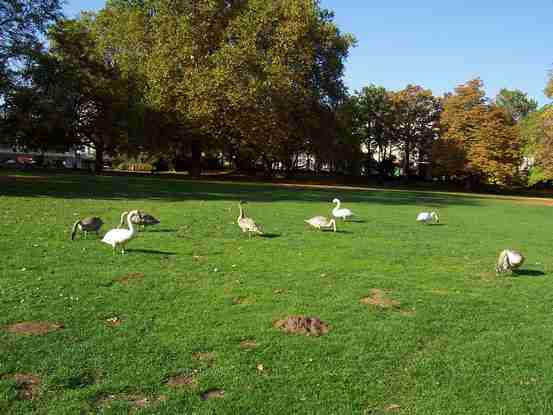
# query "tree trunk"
(99, 160)
(406, 160)
(196, 165)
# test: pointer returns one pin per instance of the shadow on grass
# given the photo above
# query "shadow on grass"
(127, 189)
(160, 230)
(150, 251)
(529, 273)
(270, 235)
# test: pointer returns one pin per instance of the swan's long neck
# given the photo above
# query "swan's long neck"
(129, 222)
(75, 229)
(241, 212)
(122, 219)
(337, 204)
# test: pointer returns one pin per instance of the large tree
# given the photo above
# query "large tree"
(248, 76)
(480, 140)
(417, 115)
(549, 87)
(544, 149)
(373, 122)
(21, 24)
(516, 103)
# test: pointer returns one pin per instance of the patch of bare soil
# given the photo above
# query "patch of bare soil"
(379, 298)
(408, 313)
(531, 200)
(309, 326)
(182, 381)
(113, 321)
(134, 401)
(212, 394)
(34, 327)
(130, 277)
(279, 291)
(248, 344)
(243, 300)
(392, 408)
(22, 179)
(204, 356)
(26, 383)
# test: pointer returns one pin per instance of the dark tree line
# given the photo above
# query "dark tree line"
(257, 83)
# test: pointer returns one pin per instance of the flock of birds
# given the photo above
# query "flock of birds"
(508, 260)
(118, 237)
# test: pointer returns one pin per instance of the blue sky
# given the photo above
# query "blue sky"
(440, 44)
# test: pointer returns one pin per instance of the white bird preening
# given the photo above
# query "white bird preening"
(120, 237)
(247, 224)
(508, 260)
(85, 225)
(338, 212)
(427, 217)
(321, 222)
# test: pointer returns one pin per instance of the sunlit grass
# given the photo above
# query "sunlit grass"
(459, 339)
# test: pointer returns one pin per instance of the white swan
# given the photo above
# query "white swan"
(320, 222)
(120, 237)
(508, 260)
(340, 213)
(427, 217)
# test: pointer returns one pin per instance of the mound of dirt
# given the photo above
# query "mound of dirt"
(204, 356)
(243, 300)
(135, 401)
(212, 394)
(309, 326)
(182, 381)
(248, 344)
(34, 327)
(379, 298)
(27, 385)
(392, 408)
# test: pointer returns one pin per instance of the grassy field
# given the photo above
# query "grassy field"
(192, 304)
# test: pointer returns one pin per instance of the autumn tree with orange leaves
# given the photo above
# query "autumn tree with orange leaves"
(479, 140)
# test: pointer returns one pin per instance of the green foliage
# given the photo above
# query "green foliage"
(249, 77)
(416, 122)
(516, 103)
(549, 87)
(21, 24)
(537, 175)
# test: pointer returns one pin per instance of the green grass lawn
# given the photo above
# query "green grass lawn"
(461, 340)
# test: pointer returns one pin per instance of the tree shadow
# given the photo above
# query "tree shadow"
(130, 188)
(529, 272)
(150, 251)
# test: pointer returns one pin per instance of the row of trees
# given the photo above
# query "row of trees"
(258, 82)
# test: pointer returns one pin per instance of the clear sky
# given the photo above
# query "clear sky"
(440, 44)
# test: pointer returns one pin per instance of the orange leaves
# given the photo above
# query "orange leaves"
(478, 137)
